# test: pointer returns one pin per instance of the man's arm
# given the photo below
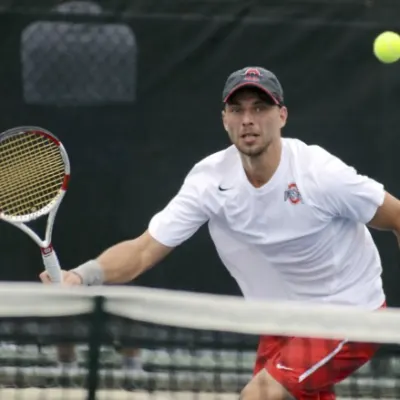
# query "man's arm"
(127, 260)
(120, 263)
(387, 216)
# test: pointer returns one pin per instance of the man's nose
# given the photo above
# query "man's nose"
(247, 118)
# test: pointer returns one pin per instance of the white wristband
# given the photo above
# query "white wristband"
(90, 272)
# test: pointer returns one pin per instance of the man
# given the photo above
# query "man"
(288, 221)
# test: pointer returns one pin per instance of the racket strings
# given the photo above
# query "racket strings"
(29, 177)
(19, 157)
(32, 173)
(17, 150)
(17, 162)
(33, 195)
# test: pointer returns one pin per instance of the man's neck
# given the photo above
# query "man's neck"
(259, 170)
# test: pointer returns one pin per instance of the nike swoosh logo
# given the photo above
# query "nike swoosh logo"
(223, 189)
(280, 366)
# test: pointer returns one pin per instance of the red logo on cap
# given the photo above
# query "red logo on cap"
(252, 74)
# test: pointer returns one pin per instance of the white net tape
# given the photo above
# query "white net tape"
(203, 311)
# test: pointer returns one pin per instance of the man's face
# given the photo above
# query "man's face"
(253, 121)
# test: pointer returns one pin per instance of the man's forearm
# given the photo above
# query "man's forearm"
(118, 264)
(123, 262)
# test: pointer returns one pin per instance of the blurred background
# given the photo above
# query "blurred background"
(133, 89)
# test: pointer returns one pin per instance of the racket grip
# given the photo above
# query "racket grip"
(51, 264)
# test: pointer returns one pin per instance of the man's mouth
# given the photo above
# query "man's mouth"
(249, 134)
(249, 138)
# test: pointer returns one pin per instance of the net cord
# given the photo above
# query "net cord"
(204, 311)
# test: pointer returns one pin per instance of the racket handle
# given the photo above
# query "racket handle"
(52, 264)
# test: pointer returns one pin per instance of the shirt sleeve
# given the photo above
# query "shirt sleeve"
(340, 191)
(183, 215)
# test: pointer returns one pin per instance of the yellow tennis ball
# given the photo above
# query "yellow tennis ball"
(387, 47)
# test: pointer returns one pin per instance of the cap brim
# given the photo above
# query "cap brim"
(251, 84)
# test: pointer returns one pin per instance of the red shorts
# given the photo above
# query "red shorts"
(309, 367)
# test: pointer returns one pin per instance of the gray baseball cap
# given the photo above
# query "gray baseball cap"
(256, 77)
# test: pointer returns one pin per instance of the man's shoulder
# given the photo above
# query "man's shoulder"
(308, 157)
(319, 172)
(302, 149)
(213, 169)
(314, 167)
(218, 162)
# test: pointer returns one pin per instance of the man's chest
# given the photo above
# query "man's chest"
(279, 215)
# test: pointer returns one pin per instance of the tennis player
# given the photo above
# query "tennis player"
(288, 220)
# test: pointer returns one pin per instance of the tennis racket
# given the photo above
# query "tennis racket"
(34, 175)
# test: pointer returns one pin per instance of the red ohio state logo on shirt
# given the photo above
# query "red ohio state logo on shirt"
(292, 194)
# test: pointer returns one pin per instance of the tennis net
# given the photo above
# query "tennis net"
(192, 346)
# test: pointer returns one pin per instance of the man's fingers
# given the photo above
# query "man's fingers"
(44, 277)
(72, 279)
(69, 278)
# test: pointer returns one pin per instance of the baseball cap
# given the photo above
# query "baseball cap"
(256, 77)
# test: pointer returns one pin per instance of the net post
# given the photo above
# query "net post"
(97, 328)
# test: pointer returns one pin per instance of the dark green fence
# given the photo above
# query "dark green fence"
(133, 90)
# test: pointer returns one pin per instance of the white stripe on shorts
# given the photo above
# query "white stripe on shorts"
(325, 360)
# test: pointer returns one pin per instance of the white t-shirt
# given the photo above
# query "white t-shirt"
(301, 237)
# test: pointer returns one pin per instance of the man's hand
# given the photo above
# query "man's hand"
(69, 278)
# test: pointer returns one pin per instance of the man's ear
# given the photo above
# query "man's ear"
(223, 114)
(283, 113)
